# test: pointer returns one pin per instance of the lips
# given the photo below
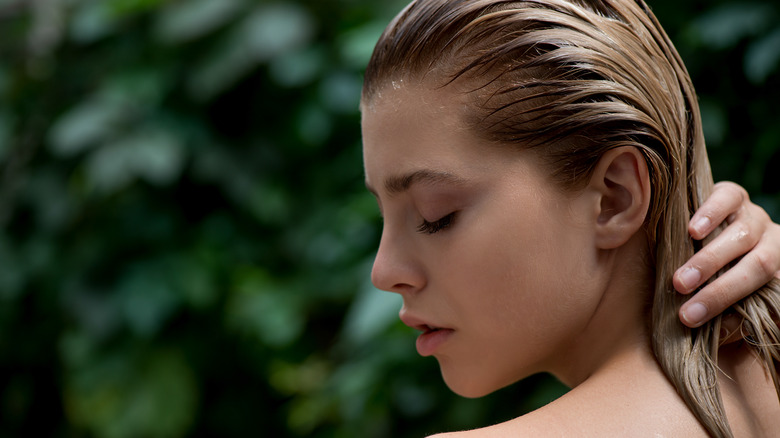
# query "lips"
(417, 323)
(432, 336)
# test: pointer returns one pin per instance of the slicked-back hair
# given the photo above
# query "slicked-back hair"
(572, 80)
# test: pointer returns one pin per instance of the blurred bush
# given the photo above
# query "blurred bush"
(186, 240)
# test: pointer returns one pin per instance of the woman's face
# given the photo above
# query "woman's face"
(493, 262)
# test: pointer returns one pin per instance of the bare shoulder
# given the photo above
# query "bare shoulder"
(539, 423)
(628, 404)
(582, 415)
(525, 426)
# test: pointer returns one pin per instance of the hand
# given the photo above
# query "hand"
(750, 232)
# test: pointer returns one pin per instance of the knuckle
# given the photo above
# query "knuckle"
(767, 264)
(705, 261)
(734, 190)
(722, 184)
(742, 233)
(762, 215)
(758, 214)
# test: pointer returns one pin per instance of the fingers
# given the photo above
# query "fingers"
(737, 239)
(750, 231)
(752, 272)
(726, 198)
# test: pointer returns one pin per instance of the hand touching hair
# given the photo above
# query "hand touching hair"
(573, 80)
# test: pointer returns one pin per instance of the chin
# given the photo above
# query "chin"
(469, 385)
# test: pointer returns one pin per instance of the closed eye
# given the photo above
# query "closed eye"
(436, 226)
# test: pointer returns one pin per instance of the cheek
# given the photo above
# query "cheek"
(527, 285)
(516, 283)
(501, 281)
(523, 285)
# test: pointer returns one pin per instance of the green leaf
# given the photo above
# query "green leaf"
(13, 274)
(372, 312)
(340, 92)
(714, 122)
(267, 32)
(47, 192)
(184, 21)
(413, 400)
(724, 26)
(314, 125)
(152, 153)
(128, 7)
(6, 131)
(139, 89)
(260, 307)
(77, 348)
(356, 46)
(104, 115)
(125, 395)
(93, 20)
(5, 81)
(269, 203)
(299, 67)
(763, 57)
(307, 413)
(84, 125)
(146, 297)
(95, 313)
(193, 277)
(299, 378)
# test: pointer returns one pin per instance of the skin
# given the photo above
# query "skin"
(750, 232)
(466, 277)
(526, 278)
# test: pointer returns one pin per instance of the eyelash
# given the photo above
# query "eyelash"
(436, 226)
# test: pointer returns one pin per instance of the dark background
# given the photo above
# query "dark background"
(186, 239)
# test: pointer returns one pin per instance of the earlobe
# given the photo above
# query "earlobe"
(622, 181)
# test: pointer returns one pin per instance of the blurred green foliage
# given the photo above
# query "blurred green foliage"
(186, 241)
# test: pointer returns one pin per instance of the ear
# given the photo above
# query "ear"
(622, 183)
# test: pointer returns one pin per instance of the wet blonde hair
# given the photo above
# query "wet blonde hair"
(573, 79)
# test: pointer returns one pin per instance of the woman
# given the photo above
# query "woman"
(537, 164)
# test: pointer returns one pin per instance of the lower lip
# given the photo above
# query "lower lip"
(429, 342)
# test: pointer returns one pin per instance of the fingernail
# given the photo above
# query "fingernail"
(701, 224)
(690, 278)
(695, 314)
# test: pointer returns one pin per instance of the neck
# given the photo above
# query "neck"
(618, 325)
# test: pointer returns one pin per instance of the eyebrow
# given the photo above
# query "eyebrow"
(400, 183)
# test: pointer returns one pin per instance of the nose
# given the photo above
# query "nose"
(397, 267)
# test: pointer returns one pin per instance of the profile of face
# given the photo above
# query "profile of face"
(536, 164)
(497, 266)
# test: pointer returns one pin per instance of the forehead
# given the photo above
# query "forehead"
(405, 110)
(405, 93)
(409, 128)
(403, 120)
